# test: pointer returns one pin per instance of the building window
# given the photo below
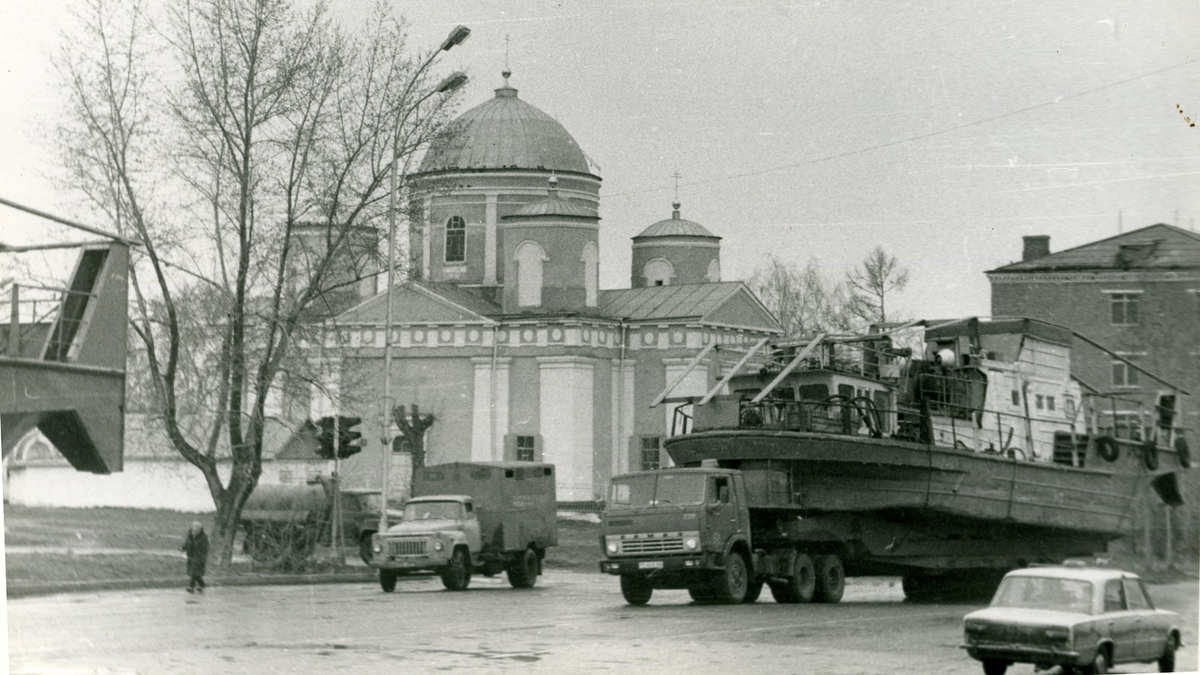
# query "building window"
(1123, 375)
(1040, 401)
(650, 452)
(658, 272)
(1016, 397)
(525, 449)
(530, 257)
(1049, 403)
(1124, 308)
(456, 240)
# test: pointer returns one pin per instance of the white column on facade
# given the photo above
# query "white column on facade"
(489, 241)
(489, 408)
(499, 413)
(565, 421)
(622, 414)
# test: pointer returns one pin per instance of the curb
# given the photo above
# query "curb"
(29, 590)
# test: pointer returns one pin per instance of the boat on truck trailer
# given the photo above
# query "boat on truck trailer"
(948, 465)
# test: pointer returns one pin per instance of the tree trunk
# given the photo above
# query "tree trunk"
(413, 428)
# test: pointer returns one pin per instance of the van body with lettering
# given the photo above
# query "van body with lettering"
(469, 518)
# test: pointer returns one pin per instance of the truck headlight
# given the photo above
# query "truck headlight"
(691, 544)
(437, 546)
(612, 547)
(377, 547)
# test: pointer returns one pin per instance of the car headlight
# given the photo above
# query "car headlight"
(437, 546)
(691, 544)
(613, 547)
(377, 547)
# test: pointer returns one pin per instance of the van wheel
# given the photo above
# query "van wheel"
(800, 586)
(523, 572)
(387, 580)
(636, 589)
(831, 579)
(730, 586)
(364, 547)
(457, 575)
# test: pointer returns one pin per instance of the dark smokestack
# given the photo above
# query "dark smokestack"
(1036, 246)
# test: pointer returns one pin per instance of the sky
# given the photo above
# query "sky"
(942, 131)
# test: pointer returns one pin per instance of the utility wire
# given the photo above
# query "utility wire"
(918, 137)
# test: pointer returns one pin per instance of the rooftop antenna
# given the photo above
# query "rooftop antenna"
(507, 71)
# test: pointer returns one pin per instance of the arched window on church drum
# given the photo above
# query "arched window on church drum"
(591, 273)
(530, 257)
(456, 240)
(658, 272)
(714, 271)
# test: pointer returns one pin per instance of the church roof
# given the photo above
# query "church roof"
(505, 133)
(553, 205)
(1155, 247)
(683, 301)
(676, 227)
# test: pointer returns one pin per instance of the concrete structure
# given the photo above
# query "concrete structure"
(1137, 293)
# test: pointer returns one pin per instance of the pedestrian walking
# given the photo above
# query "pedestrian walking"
(196, 547)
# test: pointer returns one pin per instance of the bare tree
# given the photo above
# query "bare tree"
(803, 300)
(221, 140)
(412, 430)
(871, 284)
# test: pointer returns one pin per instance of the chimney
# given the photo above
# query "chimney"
(1036, 246)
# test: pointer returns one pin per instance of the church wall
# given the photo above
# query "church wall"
(649, 380)
(562, 274)
(689, 257)
(602, 431)
(566, 416)
(473, 210)
(524, 402)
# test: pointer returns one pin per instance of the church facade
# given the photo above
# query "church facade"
(502, 332)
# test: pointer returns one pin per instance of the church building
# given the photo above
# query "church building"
(501, 331)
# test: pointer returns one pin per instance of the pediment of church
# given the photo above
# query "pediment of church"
(423, 302)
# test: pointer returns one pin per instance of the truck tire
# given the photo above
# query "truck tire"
(730, 586)
(523, 572)
(364, 547)
(831, 579)
(636, 589)
(753, 590)
(702, 594)
(457, 575)
(800, 585)
(387, 580)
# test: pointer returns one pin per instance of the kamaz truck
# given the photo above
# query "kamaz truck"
(472, 517)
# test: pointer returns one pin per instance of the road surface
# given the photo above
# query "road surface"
(570, 622)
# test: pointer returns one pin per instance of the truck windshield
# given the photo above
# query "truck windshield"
(1064, 595)
(666, 489)
(432, 510)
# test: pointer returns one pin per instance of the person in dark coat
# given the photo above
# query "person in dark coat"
(196, 547)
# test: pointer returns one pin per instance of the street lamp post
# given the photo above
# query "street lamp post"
(456, 80)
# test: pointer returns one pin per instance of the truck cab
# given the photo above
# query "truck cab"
(433, 531)
(678, 528)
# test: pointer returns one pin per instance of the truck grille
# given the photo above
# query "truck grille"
(642, 546)
(407, 547)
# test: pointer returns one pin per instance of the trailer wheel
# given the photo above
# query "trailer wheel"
(800, 586)
(523, 572)
(457, 575)
(387, 580)
(730, 586)
(364, 547)
(831, 579)
(636, 589)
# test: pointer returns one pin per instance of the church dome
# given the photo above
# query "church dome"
(505, 133)
(676, 227)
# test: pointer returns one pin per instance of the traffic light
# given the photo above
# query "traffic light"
(349, 436)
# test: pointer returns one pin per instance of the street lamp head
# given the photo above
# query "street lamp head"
(453, 81)
(456, 37)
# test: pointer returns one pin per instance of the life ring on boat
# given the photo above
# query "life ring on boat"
(1106, 447)
(1183, 453)
(751, 418)
(1150, 454)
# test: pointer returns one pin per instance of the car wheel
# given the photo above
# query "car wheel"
(457, 575)
(523, 572)
(994, 667)
(831, 579)
(387, 580)
(1166, 662)
(1099, 664)
(730, 587)
(364, 547)
(636, 589)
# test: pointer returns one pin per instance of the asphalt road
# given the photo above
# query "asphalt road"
(571, 622)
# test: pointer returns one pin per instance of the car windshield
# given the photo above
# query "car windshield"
(1064, 595)
(665, 489)
(432, 510)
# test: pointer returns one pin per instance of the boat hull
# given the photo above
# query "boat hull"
(857, 474)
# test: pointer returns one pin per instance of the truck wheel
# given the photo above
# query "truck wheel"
(387, 580)
(457, 575)
(702, 594)
(364, 547)
(831, 579)
(523, 572)
(753, 590)
(636, 589)
(994, 667)
(800, 586)
(730, 587)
